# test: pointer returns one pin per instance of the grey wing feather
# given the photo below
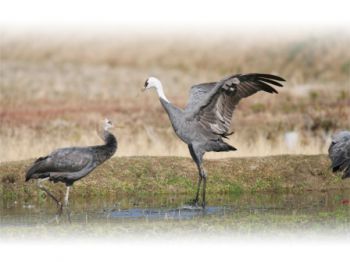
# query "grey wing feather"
(61, 160)
(197, 94)
(71, 159)
(72, 163)
(73, 176)
(218, 100)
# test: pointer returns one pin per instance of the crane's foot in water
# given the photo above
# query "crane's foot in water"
(59, 208)
(194, 203)
(62, 209)
(65, 209)
(68, 216)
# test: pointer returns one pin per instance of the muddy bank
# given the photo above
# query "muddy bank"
(155, 175)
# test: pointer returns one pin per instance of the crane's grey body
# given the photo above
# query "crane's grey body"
(206, 120)
(339, 153)
(68, 165)
(192, 132)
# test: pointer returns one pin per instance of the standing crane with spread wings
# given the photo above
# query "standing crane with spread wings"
(205, 122)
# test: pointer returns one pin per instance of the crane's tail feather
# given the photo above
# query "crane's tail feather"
(35, 168)
(229, 148)
(41, 159)
(346, 174)
(221, 147)
(224, 135)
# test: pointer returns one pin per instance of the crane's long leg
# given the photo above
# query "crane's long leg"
(204, 177)
(197, 157)
(66, 204)
(198, 189)
(204, 191)
(66, 196)
(193, 155)
(40, 186)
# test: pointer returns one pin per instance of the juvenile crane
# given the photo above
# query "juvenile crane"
(206, 120)
(68, 165)
(339, 153)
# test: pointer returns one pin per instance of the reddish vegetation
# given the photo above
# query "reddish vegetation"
(45, 110)
(345, 201)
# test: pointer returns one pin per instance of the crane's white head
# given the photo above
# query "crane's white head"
(107, 124)
(152, 82)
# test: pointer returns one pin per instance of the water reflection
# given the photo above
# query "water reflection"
(184, 212)
(164, 207)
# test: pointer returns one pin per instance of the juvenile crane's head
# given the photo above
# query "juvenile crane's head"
(152, 82)
(107, 124)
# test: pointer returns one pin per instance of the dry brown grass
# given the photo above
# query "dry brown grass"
(54, 90)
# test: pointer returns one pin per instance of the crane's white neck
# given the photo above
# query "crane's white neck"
(159, 88)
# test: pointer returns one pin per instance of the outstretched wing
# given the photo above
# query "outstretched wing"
(212, 104)
(197, 94)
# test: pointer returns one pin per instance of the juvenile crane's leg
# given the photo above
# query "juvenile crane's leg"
(66, 196)
(66, 204)
(40, 186)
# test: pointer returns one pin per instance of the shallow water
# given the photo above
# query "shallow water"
(245, 213)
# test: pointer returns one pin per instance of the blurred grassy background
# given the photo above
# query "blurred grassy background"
(56, 88)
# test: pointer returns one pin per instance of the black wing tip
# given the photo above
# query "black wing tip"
(266, 87)
(273, 91)
(266, 81)
(274, 77)
(260, 75)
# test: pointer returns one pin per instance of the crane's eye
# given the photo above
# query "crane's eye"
(146, 83)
